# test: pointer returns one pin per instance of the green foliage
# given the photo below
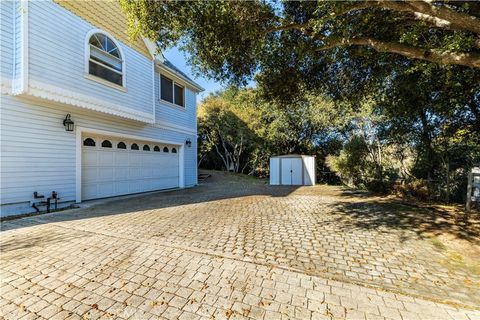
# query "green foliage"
(265, 128)
(351, 164)
(236, 40)
(413, 116)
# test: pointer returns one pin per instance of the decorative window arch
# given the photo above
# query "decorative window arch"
(134, 147)
(121, 145)
(104, 57)
(106, 144)
(146, 147)
(165, 149)
(174, 150)
(89, 142)
(156, 149)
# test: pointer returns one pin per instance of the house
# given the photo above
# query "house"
(87, 112)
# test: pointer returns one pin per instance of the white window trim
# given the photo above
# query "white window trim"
(87, 60)
(184, 107)
(105, 82)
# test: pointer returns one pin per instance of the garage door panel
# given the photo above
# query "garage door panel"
(89, 174)
(135, 158)
(105, 158)
(134, 173)
(121, 159)
(106, 174)
(110, 172)
(106, 189)
(136, 186)
(89, 191)
(121, 187)
(121, 173)
(89, 157)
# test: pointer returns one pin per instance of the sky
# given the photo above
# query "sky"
(178, 59)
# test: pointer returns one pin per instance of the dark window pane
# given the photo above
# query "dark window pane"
(134, 146)
(156, 148)
(95, 41)
(89, 142)
(166, 88)
(121, 145)
(165, 149)
(106, 144)
(174, 150)
(104, 73)
(112, 48)
(146, 147)
(179, 96)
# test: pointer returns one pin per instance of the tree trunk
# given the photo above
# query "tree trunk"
(427, 141)
(447, 195)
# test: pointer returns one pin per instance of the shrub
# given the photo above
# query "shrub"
(380, 186)
(417, 188)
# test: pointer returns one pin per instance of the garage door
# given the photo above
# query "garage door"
(114, 166)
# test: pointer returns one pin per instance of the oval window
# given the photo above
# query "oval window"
(146, 147)
(156, 148)
(134, 146)
(89, 142)
(165, 149)
(106, 144)
(174, 150)
(121, 145)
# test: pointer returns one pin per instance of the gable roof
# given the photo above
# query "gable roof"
(106, 15)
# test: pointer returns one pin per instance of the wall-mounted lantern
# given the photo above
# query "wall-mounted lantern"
(68, 123)
(188, 142)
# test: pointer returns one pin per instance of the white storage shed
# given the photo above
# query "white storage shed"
(293, 169)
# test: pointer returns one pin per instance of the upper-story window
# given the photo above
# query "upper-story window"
(171, 91)
(105, 59)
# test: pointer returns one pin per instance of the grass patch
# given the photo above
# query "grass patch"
(437, 243)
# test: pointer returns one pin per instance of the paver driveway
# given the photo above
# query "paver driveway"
(235, 249)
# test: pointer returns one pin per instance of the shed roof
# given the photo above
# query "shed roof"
(293, 156)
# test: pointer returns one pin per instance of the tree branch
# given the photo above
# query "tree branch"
(461, 20)
(442, 17)
(291, 26)
(432, 55)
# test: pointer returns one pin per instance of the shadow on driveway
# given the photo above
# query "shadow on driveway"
(377, 213)
(220, 186)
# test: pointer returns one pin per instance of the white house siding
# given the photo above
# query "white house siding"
(57, 58)
(7, 39)
(165, 112)
(37, 154)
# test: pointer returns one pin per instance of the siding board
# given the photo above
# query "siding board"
(7, 38)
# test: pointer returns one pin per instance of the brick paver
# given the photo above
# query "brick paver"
(225, 250)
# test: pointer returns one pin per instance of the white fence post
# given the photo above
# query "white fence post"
(473, 188)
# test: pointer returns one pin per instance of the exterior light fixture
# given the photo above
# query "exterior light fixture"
(188, 142)
(68, 123)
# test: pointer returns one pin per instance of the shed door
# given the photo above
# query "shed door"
(291, 173)
(114, 166)
(297, 174)
(286, 173)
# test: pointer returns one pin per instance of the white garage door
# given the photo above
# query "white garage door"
(114, 166)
